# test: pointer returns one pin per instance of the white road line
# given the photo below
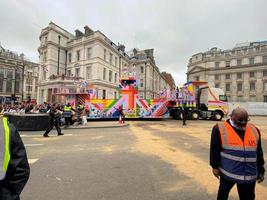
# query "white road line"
(32, 145)
(31, 161)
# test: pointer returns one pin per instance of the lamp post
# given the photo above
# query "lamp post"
(58, 56)
(145, 80)
(23, 69)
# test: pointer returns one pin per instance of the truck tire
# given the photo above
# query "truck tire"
(218, 115)
(194, 115)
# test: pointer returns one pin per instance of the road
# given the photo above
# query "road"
(159, 160)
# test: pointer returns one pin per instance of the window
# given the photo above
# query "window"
(78, 55)
(141, 83)
(88, 72)
(116, 61)
(227, 63)
(252, 86)
(115, 78)
(197, 78)
(264, 59)
(251, 61)
(264, 98)
(227, 87)
(239, 62)
(9, 81)
(110, 58)
(227, 76)
(44, 74)
(217, 85)
(265, 86)
(217, 64)
(239, 75)
(77, 72)
(217, 77)
(239, 87)
(239, 99)
(142, 69)
(105, 54)
(89, 53)
(104, 74)
(69, 57)
(1, 80)
(251, 74)
(104, 94)
(252, 98)
(69, 72)
(265, 72)
(44, 58)
(110, 76)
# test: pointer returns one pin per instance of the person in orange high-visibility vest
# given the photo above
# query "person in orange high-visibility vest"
(236, 155)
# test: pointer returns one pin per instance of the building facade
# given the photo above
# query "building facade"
(87, 57)
(18, 77)
(241, 72)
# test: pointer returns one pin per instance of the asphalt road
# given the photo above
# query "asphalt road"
(144, 161)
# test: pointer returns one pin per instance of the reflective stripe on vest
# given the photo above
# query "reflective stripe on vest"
(239, 158)
(4, 147)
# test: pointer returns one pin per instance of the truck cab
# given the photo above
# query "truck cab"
(200, 101)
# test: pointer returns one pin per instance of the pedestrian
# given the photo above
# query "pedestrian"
(236, 155)
(14, 166)
(55, 115)
(80, 109)
(67, 113)
(184, 114)
(121, 114)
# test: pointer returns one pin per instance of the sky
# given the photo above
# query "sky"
(176, 29)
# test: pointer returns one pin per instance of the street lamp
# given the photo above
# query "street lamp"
(58, 56)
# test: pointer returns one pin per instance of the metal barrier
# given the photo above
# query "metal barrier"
(29, 122)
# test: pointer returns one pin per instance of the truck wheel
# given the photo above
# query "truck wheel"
(195, 115)
(218, 116)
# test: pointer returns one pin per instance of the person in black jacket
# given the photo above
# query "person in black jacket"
(246, 191)
(55, 115)
(18, 170)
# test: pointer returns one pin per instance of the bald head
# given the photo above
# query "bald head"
(239, 116)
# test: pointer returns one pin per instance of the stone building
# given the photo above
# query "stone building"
(18, 77)
(89, 56)
(241, 72)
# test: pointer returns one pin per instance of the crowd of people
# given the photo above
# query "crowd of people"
(66, 114)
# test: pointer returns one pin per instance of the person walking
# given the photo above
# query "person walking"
(121, 114)
(14, 166)
(236, 155)
(55, 115)
(184, 114)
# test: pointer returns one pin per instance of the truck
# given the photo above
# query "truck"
(200, 101)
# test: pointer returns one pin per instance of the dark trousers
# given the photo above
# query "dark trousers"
(67, 121)
(184, 117)
(52, 123)
(245, 191)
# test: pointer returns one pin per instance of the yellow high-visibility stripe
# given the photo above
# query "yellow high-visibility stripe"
(7, 145)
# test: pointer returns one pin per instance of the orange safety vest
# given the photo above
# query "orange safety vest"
(239, 158)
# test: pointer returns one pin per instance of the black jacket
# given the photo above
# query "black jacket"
(18, 171)
(216, 147)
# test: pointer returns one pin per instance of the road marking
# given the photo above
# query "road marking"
(33, 145)
(31, 161)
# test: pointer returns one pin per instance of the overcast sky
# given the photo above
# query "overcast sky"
(176, 29)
